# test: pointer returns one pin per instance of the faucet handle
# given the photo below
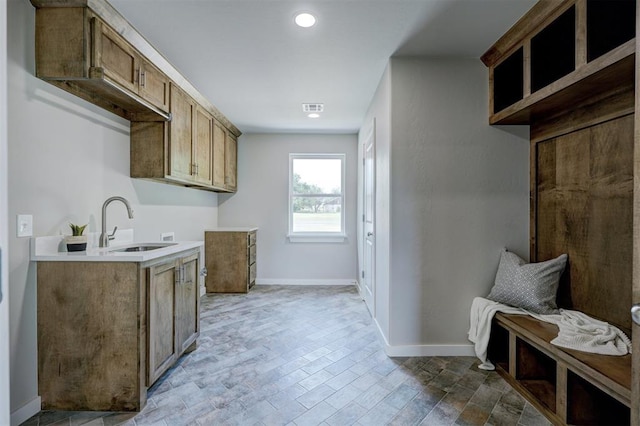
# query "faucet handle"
(112, 236)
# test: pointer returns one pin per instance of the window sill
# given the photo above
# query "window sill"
(317, 238)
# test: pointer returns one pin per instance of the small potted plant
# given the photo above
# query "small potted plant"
(76, 241)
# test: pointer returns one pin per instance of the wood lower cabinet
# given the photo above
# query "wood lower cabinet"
(230, 259)
(173, 313)
(108, 330)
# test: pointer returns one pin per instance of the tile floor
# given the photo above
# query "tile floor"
(290, 355)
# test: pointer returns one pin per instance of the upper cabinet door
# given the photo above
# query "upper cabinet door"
(117, 59)
(231, 161)
(154, 86)
(203, 144)
(181, 134)
(218, 154)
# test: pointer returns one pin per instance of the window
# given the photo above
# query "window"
(316, 197)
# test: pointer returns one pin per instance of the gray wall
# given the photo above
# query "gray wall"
(65, 158)
(458, 194)
(4, 277)
(262, 200)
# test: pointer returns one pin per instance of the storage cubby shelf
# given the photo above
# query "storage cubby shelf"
(549, 375)
(579, 87)
(561, 47)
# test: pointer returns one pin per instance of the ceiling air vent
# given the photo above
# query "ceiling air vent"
(313, 107)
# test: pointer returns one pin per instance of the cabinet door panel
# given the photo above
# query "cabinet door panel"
(118, 60)
(187, 318)
(218, 154)
(230, 166)
(180, 134)
(161, 293)
(154, 86)
(203, 146)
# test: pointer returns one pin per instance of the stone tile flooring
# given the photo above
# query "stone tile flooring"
(294, 355)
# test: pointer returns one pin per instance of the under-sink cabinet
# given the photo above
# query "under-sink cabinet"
(108, 330)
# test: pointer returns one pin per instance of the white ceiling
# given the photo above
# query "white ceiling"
(251, 61)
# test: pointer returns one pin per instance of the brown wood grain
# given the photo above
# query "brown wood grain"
(154, 85)
(89, 340)
(161, 332)
(147, 150)
(187, 318)
(219, 136)
(60, 51)
(227, 262)
(203, 146)
(230, 162)
(180, 134)
(114, 55)
(585, 200)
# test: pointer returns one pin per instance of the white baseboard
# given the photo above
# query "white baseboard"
(287, 281)
(423, 350)
(429, 350)
(25, 412)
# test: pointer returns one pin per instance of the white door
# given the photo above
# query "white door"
(368, 278)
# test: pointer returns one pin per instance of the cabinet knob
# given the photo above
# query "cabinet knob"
(203, 272)
(635, 313)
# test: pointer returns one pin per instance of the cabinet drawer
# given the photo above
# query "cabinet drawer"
(251, 238)
(252, 254)
(252, 274)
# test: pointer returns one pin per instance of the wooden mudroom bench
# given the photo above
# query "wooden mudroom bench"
(568, 386)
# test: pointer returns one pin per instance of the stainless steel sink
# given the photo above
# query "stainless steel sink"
(141, 247)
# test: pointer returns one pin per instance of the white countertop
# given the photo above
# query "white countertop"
(234, 229)
(53, 249)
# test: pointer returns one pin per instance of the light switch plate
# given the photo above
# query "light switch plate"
(24, 225)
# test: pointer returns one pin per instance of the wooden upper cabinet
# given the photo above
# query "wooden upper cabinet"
(116, 59)
(154, 85)
(203, 146)
(230, 162)
(88, 49)
(181, 134)
(219, 135)
(560, 53)
(113, 57)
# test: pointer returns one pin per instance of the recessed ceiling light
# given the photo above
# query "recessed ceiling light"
(313, 115)
(305, 20)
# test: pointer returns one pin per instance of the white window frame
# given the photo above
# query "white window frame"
(318, 237)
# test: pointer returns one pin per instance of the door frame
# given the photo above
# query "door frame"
(368, 293)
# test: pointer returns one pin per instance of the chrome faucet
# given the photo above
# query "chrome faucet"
(104, 237)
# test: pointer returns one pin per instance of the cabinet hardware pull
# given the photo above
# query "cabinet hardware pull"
(635, 313)
(143, 78)
(136, 77)
(203, 272)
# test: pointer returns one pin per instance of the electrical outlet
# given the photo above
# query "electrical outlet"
(167, 236)
(24, 225)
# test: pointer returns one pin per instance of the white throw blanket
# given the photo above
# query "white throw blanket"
(576, 330)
